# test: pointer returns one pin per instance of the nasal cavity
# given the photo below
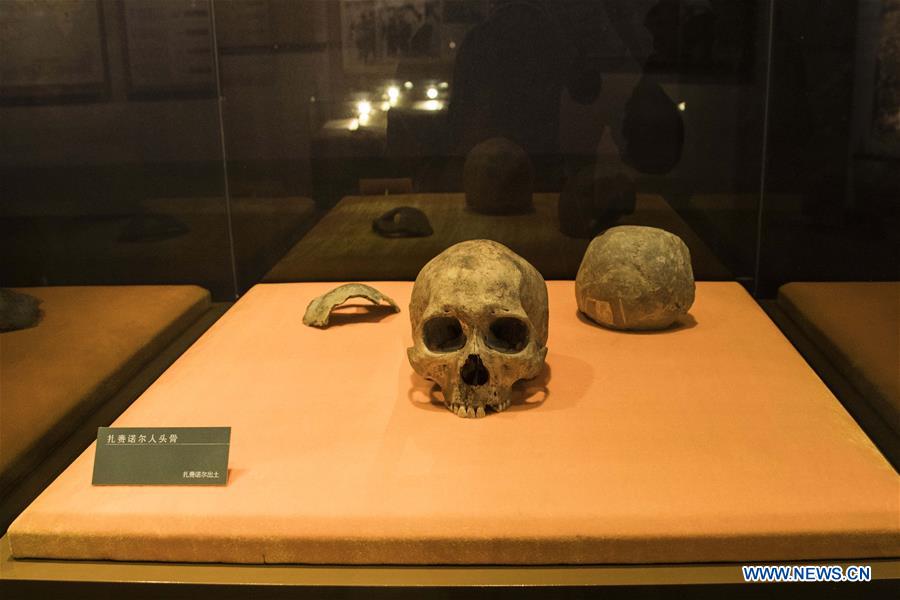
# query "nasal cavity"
(473, 371)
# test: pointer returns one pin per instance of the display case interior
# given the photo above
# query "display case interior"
(647, 249)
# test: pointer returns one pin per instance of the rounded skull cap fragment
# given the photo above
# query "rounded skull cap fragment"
(636, 278)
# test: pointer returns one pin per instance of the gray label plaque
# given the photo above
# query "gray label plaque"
(162, 456)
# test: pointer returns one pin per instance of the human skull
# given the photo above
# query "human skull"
(479, 324)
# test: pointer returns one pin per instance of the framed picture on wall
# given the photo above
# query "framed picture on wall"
(52, 51)
(376, 35)
(168, 48)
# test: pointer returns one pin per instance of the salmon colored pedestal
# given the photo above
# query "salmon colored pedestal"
(710, 442)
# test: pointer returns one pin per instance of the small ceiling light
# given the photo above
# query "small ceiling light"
(431, 92)
(408, 85)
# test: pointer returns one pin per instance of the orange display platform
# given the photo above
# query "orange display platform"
(710, 442)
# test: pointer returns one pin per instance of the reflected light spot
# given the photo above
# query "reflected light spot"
(363, 119)
(385, 106)
(430, 105)
(354, 125)
(364, 107)
(443, 85)
(393, 93)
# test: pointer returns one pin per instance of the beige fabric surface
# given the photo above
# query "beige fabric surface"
(857, 325)
(88, 343)
(709, 442)
(342, 246)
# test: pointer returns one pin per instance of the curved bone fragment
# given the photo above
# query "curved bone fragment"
(319, 310)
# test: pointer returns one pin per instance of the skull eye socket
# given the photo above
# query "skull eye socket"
(443, 334)
(508, 334)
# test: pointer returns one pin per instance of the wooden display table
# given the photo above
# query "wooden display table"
(90, 343)
(857, 324)
(710, 442)
(41, 579)
(850, 333)
(342, 246)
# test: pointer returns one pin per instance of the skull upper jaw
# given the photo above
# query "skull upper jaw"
(466, 394)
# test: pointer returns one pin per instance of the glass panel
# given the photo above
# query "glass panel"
(567, 117)
(110, 156)
(833, 163)
(273, 59)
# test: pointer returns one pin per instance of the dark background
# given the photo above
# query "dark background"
(788, 167)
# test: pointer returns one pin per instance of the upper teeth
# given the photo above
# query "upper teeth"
(475, 412)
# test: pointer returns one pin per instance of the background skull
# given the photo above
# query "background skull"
(479, 324)
(497, 178)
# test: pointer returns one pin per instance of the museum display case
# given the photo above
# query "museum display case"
(360, 297)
